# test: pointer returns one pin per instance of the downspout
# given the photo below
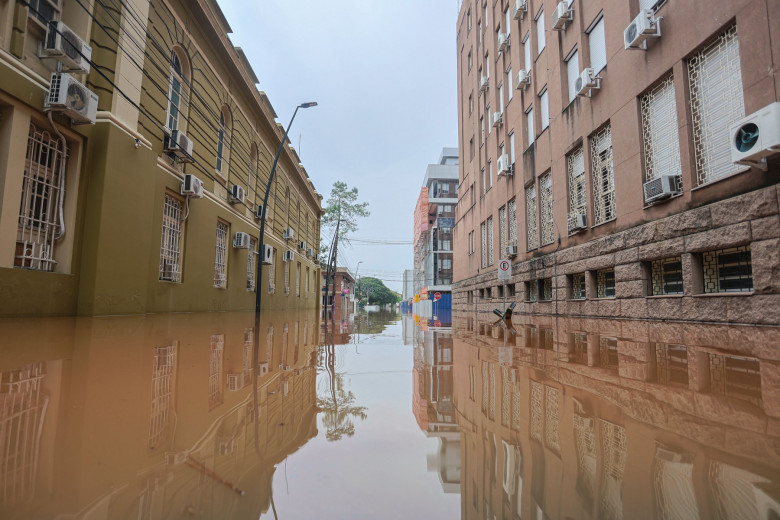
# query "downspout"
(61, 196)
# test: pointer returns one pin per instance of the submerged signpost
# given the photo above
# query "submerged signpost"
(504, 274)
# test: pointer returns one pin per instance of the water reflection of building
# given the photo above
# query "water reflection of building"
(432, 403)
(617, 419)
(151, 417)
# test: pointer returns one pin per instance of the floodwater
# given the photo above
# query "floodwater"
(384, 416)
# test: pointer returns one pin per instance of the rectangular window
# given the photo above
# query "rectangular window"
(512, 149)
(603, 176)
(512, 222)
(545, 289)
(530, 291)
(508, 21)
(298, 279)
(527, 53)
(490, 174)
(272, 272)
(727, 270)
(470, 61)
(736, 376)
(483, 235)
(572, 73)
(501, 97)
(446, 263)
(671, 364)
(220, 256)
(251, 283)
(307, 283)
(666, 276)
(540, 39)
(529, 118)
(286, 277)
(471, 103)
(171, 242)
(502, 231)
(482, 130)
(509, 88)
(489, 224)
(598, 48)
(715, 80)
(578, 286)
(605, 283)
(546, 209)
(578, 199)
(45, 11)
(659, 131)
(530, 217)
(544, 105)
(216, 351)
(484, 181)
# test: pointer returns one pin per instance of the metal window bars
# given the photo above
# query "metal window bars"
(578, 286)
(216, 349)
(40, 200)
(483, 236)
(220, 257)
(512, 215)
(546, 209)
(536, 425)
(603, 176)
(170, 242)
(490, 248)
(605, 283)
(727, 270)
(502, 243)
(551, 418)
(530, 218)
(163, 393)
(661, 141)
(251, 283)
(666, 276)
(578, 198)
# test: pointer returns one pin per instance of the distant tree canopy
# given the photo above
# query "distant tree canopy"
(376, 291)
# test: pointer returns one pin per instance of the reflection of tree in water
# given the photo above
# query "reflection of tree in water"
(337, 404)
(375, 322)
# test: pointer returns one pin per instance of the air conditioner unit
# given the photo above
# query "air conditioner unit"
(310, 251)
(668, 455)
(662, 188)
(521, 7)
(259, 212)
(578, 222)
(64, 45)
(282, 366)
(179, 146)
(644, 26)
(302, 245)
(503, 164)
(262, 368)
(483, 83)
(586, 81)
(191, 186)
(561, 16)
(68, 96)
(241, 240)
(523, 78)
(756, 137)
(511, 251)
(498, 119)
(288, 234)
(235, 382)
(268, 255)
(237, 194)
(503, 41)
(289, 255)
(284, 386)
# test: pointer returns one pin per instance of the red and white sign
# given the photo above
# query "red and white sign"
(504, 269)
(437, 296)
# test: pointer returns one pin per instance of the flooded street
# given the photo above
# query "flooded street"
(386, 417)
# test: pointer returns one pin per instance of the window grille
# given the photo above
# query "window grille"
(578, 353)
(502, 231)
(667, 276)
(603, 176)
(605, 283)
(671, 364)
(483, 235)
(45, 11)
(736, 376)
(608, 353)
(585, 443)
(286, 277)
(551, 438)
(506, 396)
(306, 288)
(578, 189)
(727, 270)
(578, 286)
(715, 80)
(175, 83)
(41, 196)
(492, 403)
(215, 369)
(272, 272)
(251, 284)
(512, 215)
(530, 291)
(530, 217)
(516, 409)
(537, 406)
(489, 225)
(659, 131)
(220, 257)
(545, 289)
(546, 209)
(163, 394)
(613, 449)
(170, 245)
(298, 279)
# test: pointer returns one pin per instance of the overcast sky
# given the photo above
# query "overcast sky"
(384, 75)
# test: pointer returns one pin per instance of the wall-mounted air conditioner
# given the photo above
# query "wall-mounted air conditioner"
(503, 41)
(191, 186)
(237, 194)
(662, 187)
(756, 137)
(498, 119)
(511, 251)
(262, 368)
(179, 146)
(235, 382)
(69, 97)
(643, 27)
(302, 245)
(268, 255)
(310, 251)
(586, 82)
(65, 46)
(259, 212)
(288, 234)
(241, 240)
(483, 83)
(578, 222)
(521, 7)
(503, 164)
(562, 15)
(523, 78)
(289, 255)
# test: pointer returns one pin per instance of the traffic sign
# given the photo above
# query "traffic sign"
(437, 296)
(504, 269)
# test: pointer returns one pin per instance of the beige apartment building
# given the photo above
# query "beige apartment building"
(623, 157)
(136, 138)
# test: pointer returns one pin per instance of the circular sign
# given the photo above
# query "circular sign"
(504, 265)
(437, 296)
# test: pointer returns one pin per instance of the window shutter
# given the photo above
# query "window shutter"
(545, 113)
(573, 72)
(598, 48)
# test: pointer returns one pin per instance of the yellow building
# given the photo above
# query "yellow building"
(154, 206)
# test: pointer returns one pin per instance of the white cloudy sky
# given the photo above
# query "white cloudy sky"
(384, 75)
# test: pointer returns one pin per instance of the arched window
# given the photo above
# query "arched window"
(223, 139)
(251, 177)
(178, 80)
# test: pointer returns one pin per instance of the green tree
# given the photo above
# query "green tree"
(343, 205)
(376, 292)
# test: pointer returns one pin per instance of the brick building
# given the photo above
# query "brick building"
(599, 159)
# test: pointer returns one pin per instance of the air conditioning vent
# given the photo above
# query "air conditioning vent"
(756, 137)
(503, 164)
(288, 234)
(523, 78)
(577, 222)
(268, 255)
(262, 368)
(68, 96)
(241, 240)
(511, 251)
(503, 41)
(642, 28)
(259, 212)
(662, 188)
(179, 146)
(191, 186)
(302, 245)
(235, 382)
(498, 119)
(561, 16)
(586, 82)
(310, 251)
(521, 7)
(289, 255)
(64, 45)
(237, 194)
(483, 83)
